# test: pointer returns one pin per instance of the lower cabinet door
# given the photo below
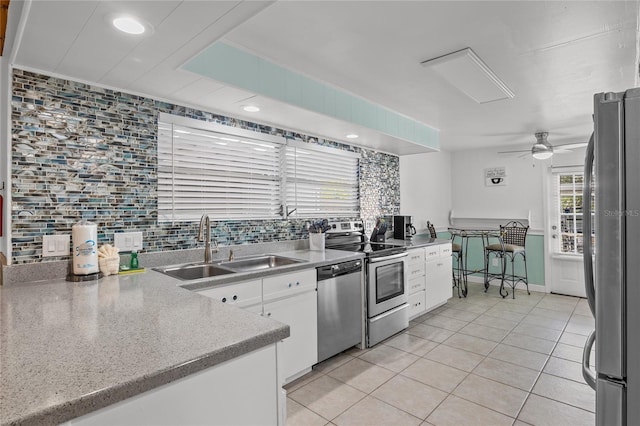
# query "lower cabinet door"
(300, 313)
(439, 281)
(417, 304)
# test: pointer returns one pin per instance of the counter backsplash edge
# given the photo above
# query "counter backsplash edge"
(21, 273)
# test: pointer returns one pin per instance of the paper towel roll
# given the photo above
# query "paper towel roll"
(85, 254)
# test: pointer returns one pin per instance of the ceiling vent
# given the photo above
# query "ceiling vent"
(469, 74)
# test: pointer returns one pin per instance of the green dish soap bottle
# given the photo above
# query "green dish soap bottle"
(134, 260)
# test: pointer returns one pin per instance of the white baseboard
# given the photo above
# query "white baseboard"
(532, 287)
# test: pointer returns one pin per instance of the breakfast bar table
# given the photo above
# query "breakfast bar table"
(465, 235)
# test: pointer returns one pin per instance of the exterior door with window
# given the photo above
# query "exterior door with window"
(565, 271)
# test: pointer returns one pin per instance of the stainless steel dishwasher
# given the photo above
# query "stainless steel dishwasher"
(340, 307)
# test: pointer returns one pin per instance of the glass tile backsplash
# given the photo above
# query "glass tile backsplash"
(83, 152)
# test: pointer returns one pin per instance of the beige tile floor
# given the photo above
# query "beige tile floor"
(482, 360)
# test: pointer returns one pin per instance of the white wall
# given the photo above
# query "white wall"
(523, 190)
(425, 188)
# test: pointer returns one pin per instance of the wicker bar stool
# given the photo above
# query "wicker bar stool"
(512, 241)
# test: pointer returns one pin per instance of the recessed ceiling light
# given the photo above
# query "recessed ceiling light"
(129, 25)
(352, 136)
(251, 108)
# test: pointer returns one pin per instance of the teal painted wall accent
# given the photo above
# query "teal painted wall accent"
(242, 69)
(535, 258)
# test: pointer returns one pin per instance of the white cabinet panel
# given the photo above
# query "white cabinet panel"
(300, 350)
(438, 275)
(215, 396)
(417, 303)
(286, 285)
(242, 294)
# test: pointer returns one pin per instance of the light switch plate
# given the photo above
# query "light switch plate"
(55, 245)
(128, 241)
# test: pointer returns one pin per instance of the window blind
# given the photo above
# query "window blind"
(227, 176)
(321, 181)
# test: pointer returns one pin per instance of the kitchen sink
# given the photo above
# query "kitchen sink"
(258, 263)
(195, 272)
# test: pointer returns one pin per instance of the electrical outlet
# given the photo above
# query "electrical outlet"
(495, 262)
(55, 245)
(128, 241)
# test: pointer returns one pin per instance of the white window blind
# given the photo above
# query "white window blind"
(210, 170)
(321, 181)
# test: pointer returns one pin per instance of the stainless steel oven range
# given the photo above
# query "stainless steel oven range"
(387, 309)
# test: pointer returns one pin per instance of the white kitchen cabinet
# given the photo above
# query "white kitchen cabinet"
(417, 303)
(290, 298)
(214, 396)
(287, 285)
(416, 282)
(438, 275)
(300, 350)
(293, 300)
(247, 294)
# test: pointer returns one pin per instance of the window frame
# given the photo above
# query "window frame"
(327, 158)
(574, 217)
(171, 215)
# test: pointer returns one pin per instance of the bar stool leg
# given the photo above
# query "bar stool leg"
(504, 271)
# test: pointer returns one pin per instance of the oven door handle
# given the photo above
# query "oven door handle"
(385, 258)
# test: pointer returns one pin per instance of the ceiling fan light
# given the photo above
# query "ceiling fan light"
(542, 151)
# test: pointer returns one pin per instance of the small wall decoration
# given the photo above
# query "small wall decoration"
(495, 176)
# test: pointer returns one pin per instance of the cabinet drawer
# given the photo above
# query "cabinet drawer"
(242, 294)
(415, 257)
(288, 284)
(432, 251)
(445, 250)
(417, 284)
(415, 270)
(417, 303)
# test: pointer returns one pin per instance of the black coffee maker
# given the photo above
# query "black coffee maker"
(403, 228)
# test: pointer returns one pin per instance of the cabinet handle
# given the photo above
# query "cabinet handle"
(268, 314)
(224, 300)
(289, 285)
(298, 283)
(235, 297)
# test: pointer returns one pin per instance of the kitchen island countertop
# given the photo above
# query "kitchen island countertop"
(68, 349)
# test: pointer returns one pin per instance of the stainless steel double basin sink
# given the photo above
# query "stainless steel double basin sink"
(196, 271)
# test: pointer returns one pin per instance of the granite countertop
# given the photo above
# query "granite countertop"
(67, 349)
(420, 240)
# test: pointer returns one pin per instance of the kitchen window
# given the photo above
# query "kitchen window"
(321, 181)
(232, 173)
(226, 172)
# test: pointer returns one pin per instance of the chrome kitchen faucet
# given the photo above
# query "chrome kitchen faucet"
(205, 227)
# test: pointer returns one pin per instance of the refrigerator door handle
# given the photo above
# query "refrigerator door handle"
(588, 374)
(587, 227)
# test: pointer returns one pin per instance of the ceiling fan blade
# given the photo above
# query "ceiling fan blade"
(569, 146)
(514, 152)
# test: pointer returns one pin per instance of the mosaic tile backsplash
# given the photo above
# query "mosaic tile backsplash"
(80, 151)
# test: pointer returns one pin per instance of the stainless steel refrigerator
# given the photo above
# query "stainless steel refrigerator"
(612, 264)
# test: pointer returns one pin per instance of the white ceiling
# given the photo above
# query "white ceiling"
(553, 55)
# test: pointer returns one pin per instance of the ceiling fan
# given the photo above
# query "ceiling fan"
(542, 149)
